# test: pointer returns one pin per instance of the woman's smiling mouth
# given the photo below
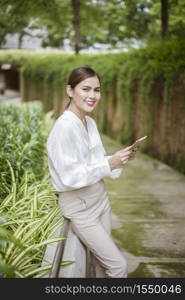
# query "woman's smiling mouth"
(90, 103)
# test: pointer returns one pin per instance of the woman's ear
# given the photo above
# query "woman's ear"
(69, 91)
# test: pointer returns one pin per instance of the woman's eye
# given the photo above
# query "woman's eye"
(96, 91)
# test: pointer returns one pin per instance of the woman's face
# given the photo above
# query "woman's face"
(86, 94)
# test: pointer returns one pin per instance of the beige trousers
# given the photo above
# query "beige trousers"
(89, 211)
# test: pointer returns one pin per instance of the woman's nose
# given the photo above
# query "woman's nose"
(91, 94)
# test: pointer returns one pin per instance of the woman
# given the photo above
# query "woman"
(78, 163)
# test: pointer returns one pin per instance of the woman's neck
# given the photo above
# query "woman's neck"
(80, 113)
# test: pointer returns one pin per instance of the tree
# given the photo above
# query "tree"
(164, 17)
(76, 23)
(13, 19)
(57, 24)
(93, 22)
(19, 14)
(5, 25)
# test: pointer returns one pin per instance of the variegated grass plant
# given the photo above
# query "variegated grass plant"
(29, 211)
(32, 215)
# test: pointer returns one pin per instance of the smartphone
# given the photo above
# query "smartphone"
(139, 140)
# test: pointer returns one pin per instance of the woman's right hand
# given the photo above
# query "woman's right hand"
(121, 157)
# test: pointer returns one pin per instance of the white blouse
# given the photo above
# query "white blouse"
(76, 156)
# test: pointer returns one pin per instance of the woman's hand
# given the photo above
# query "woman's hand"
(133, 153)
(121, 157)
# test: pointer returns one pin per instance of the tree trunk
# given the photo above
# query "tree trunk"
(164, 17)
(21, 35)
(76, 24)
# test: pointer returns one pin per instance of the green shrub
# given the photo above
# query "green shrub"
(22, 143)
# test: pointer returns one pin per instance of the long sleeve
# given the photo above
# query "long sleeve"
(68, 166)
(116, 172)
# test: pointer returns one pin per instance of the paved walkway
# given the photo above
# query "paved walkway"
(148, 204)
(10, 96)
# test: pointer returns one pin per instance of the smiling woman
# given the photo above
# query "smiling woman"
(78, 163)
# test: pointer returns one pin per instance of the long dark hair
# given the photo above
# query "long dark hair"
(79, 74)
